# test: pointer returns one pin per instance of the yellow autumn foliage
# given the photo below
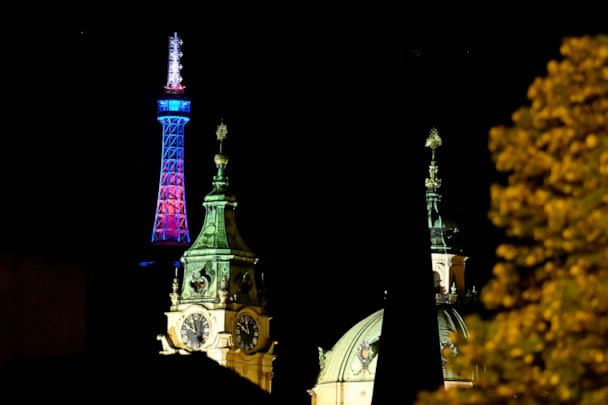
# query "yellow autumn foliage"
(548, 340)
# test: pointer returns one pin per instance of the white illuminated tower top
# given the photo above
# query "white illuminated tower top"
(174, 79)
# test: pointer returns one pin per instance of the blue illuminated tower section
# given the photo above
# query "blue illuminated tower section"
(171, 221)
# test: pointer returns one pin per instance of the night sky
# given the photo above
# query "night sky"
(326, 109)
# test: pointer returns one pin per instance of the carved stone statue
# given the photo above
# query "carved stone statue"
(224, 287)
(321, 358)
(174, 294)
(175, 285)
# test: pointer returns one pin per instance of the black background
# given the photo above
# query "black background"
(326, 109)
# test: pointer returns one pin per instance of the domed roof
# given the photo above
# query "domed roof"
(448, 321)
(355, 356)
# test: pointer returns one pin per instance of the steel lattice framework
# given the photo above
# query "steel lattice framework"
(171, 221)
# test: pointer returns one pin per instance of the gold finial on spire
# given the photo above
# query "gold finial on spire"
(433, 141)
(433, 182)
(220, 159)
(222, 131)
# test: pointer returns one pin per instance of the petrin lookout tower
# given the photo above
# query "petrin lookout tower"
(171, 220)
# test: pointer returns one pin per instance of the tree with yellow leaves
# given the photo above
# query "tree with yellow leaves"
(548, 340)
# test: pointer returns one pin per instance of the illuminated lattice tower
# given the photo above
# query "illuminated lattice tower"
(171, 221)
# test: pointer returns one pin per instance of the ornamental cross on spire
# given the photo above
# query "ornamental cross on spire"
(221, 132)
(220, 181)
(433, 142)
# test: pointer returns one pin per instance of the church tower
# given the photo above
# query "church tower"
(348, 371)
(448, 263)
(220, 307)
(448, 269)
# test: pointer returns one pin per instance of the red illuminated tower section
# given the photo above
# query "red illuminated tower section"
(171, 220)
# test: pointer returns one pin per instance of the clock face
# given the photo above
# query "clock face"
(247, 332)
(195, 331)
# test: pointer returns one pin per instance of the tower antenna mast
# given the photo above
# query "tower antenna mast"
(174, 78)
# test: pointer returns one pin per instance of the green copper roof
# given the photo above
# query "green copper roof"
(219, 234)
(355, 356)
(219, 267)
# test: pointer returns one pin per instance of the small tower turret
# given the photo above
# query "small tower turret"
(448, 263)
(433, 197)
